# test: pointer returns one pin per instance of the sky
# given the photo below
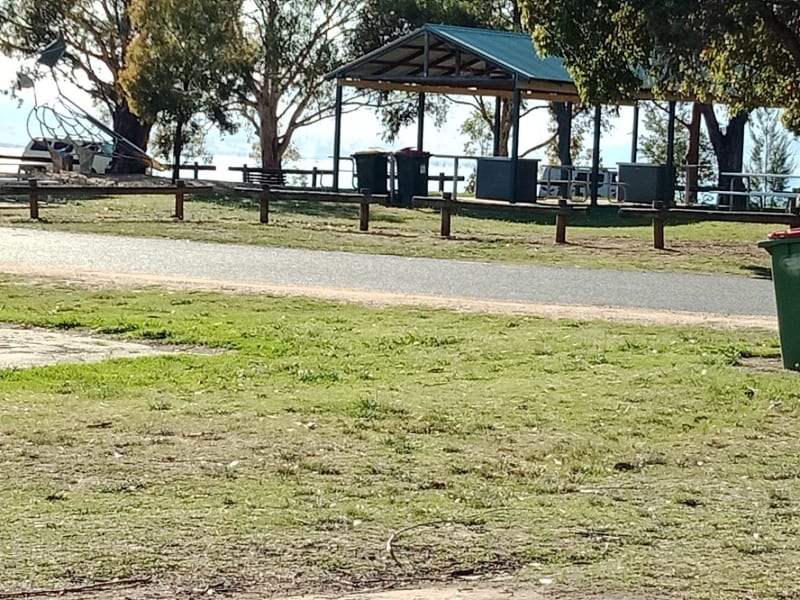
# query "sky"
(360, 130)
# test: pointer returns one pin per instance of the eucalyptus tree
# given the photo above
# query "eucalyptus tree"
(743, 53)
(290, 45)
(184, 65)
(771, 151)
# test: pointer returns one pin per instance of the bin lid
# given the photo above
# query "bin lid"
(777, 238)
(412, 150)
(370, 151)
(782, 235)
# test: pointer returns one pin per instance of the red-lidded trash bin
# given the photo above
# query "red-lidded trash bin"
(412, 174)
(784, 247)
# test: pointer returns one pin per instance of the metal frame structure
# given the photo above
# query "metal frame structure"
(446, 59)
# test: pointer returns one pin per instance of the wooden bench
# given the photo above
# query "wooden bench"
(271, 194)
(277, 177)
(661, 215)
(264, 177)
(448, 206)
(33, 190)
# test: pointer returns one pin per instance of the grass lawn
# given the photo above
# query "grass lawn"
(605, 457)
(601, 240)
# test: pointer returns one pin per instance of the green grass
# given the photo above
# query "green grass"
(607, 457)
(600, 241)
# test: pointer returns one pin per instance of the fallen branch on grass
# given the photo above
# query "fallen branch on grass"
(100, 585)
(396, 535)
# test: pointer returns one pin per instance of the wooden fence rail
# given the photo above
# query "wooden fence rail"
(448, 206)
(660, 216)
(33, 191)
(270, 194)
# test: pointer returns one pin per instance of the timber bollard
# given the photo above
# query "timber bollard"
(179, 196)
(264, 198)
(363, 211)
(446, 215)
(561, 221)
(33, 200)
(658, 226)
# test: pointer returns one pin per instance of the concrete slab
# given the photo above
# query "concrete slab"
(23, 347)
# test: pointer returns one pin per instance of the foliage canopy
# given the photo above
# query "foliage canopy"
(744, 53)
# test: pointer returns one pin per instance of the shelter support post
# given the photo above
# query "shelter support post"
(671, 153)
(420, 121)
(337, 136)
(563, 112)
(496, 127)
(515, 146)
(595, 183)
(635, 133)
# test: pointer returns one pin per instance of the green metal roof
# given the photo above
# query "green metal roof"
(446, 58)
(513, 51)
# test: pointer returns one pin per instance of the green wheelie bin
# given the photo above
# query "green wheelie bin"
(784, 247)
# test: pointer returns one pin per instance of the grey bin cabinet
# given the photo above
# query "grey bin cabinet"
(645, 183)
(493, 179)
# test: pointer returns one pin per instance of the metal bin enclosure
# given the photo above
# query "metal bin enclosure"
(493, 179)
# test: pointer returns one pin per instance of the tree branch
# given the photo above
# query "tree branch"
(782, 31)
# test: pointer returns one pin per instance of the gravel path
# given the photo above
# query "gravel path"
(720, 296)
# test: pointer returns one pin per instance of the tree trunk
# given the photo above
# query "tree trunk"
(268, 134)
(128, 160)
(177, 149)
(729, 150)
(506, 122)
(563, 114)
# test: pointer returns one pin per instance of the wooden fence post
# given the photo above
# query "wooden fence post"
(658, 225)
(179, 199)
(314, 177)
(196, 170)
(363, 212)
(441, 181)
(658, 232)
(33, 199)
(446, 215)
(264, 216)
(561, 221)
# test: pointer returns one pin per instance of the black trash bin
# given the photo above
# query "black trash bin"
(371, 170)
(412, 175)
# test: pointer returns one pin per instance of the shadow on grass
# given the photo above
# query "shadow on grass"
(598, 216)
(758, 271)
(328, 210)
